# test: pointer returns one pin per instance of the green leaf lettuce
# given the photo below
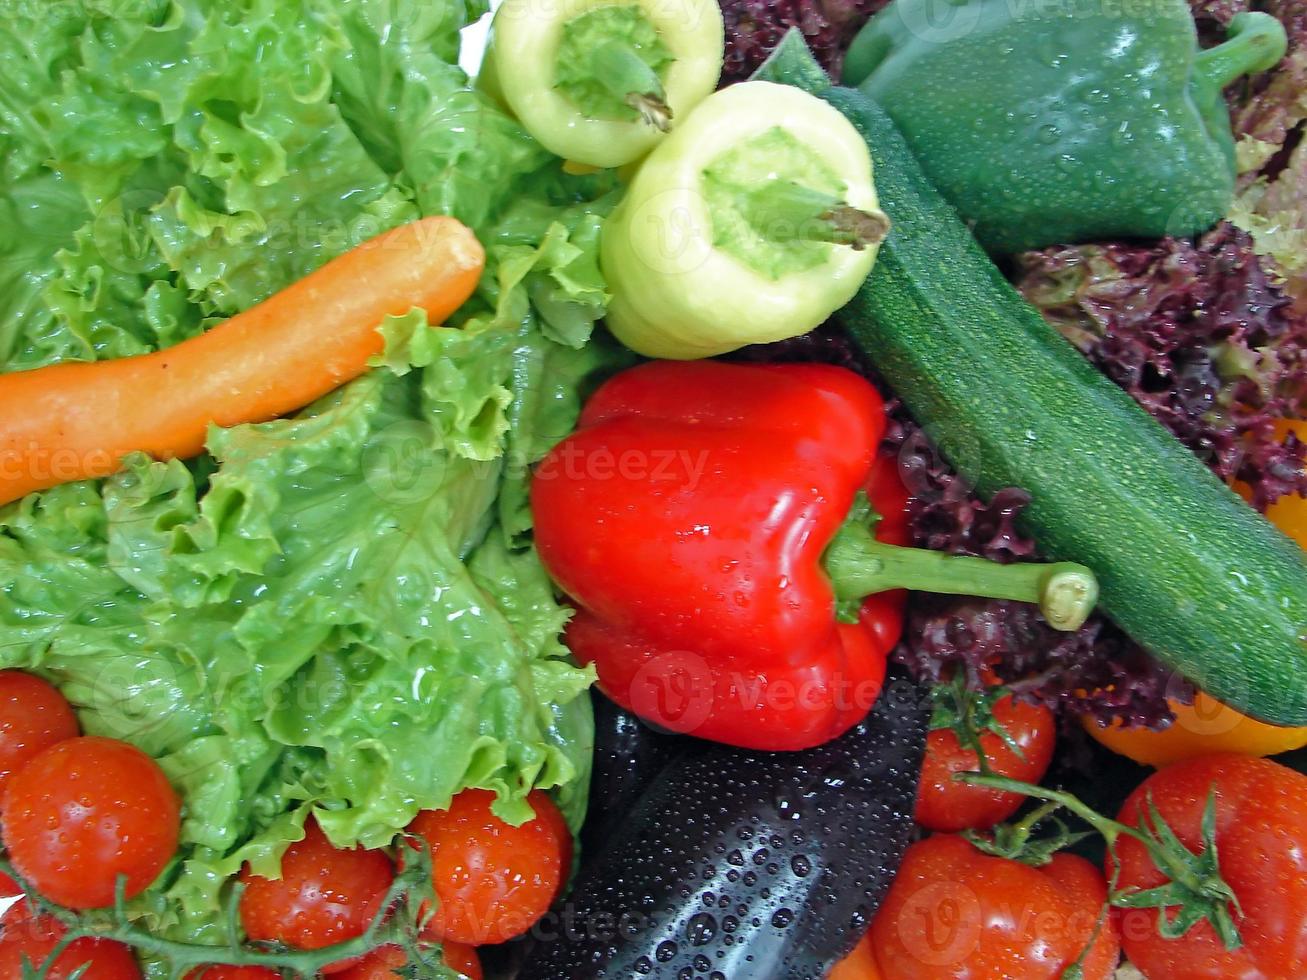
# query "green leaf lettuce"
(338, 613)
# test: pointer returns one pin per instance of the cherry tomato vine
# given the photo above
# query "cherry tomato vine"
(1194, 885)
(397, 923)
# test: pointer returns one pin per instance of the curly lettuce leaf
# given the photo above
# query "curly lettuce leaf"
(397, 86)
(342, 600)
(339, 613)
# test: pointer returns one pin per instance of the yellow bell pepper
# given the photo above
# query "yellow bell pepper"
(1207, 727)
(755, 220)
(1289, 513)
(598, 82)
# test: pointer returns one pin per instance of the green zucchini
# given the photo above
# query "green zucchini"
(1188, 569)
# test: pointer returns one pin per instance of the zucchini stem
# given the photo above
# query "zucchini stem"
(619, 68)
(859, 566)
(784, 211)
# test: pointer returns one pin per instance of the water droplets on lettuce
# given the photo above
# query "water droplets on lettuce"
(339, 611)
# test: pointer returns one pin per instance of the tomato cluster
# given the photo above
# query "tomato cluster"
(493, 882)
(82, 817)
(956, 911)
(86, 817)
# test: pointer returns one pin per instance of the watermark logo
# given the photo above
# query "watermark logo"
(404, 464)
(940, 923)
(669, 234)
(939, 21)
(674, 690)
(120, 233)
(573, 461)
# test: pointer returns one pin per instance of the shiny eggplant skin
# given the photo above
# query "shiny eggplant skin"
(628, 756)
(738, 865)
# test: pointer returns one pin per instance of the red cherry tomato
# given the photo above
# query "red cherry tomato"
(385, 962)
(33, 717)
(493, 880)
(553, 817)
(25, 938)
(86, 811)
(1261, 847)
(955, 912)
(233, 973)
(382, 963)
(325, 895)
(948, 806)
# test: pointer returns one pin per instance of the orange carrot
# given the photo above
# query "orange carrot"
(77, 421)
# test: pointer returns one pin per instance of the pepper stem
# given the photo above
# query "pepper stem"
(783, 211)
(1256, 42)
(859, 566)
(626, 76)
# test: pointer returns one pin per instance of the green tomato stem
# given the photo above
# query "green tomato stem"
(1027, 824)
(1108, 828)
(783, 211)
(396, 923)
(1256, 43)
(619, 68)
(1195, 884)
(859, 566)
(1016, 841)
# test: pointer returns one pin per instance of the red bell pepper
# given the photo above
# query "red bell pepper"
(708, 522)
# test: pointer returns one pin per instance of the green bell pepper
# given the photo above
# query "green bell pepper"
(1048, 123)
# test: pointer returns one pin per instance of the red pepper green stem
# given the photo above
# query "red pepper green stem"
(781, 210)
(1256, 43)
(859, 566)
(626, 76)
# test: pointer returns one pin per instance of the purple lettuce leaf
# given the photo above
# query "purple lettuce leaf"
(755, 27)
(1198, 334)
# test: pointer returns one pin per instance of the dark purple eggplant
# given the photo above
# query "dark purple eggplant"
(628, 756)
(740, 865)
